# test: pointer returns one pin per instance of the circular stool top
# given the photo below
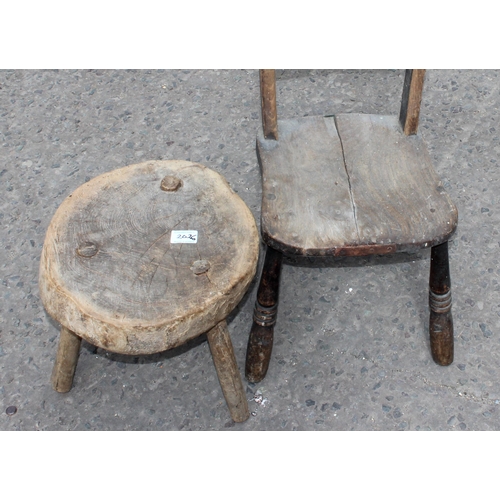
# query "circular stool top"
(146, 257)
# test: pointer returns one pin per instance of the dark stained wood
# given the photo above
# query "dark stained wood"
(259, 350)
(260, 341)
(268, 292)
(138, 293)
(350, 185)
(411, 100)
(440, 301)
(66, 360)
(227, 371)
(268, 103)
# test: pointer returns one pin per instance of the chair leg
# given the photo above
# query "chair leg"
(227, 371)
(441, 321)
(66, 359)
(260, 342)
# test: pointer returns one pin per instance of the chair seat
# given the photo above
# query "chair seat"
(350, 184)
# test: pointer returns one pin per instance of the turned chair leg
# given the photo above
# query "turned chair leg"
(66, 359)
(260, 342)
(227, 371)
(441, 321)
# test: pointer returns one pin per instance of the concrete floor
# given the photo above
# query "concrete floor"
(351, 348)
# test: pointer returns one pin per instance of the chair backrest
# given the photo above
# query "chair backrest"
(408, 116)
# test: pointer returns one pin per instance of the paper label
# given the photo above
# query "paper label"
(184, 237)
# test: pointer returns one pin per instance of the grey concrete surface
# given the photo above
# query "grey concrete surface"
(351, 349)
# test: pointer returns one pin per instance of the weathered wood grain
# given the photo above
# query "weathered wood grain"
(411, 100)
(351, 184)
(398, 198)
(227, 371)
(66, 360)
(268, 103)
(109, 272)
(306, 203)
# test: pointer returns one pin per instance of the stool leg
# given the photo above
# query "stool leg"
(227, 371)
(441, 321)
(260, 342)
(66, 359)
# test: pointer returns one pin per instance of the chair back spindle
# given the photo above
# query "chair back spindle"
(410, 102)
(268, 103)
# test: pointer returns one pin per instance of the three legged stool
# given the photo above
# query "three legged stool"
(144, 258)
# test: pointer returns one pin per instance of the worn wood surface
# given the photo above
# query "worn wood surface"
(411, 100)
(398, 197)
(268, 103)
(110, 273)
(306, 203)
(66, 360)
(352, 184)
(227, 371)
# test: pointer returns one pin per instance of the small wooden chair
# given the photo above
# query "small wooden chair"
(349, 185)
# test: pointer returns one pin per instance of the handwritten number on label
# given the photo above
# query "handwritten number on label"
(186, 236)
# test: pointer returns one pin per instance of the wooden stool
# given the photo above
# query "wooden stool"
(353, 185)
(144, 258)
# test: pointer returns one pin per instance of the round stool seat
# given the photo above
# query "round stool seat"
(146, 257)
